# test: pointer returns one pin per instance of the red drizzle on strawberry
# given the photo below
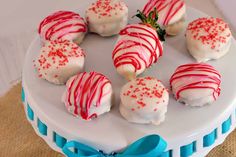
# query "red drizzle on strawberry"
(140, 37)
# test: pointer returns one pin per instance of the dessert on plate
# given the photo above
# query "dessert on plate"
(65, 25)
(138, 46)
(107, 17)
(144, 100)
(208, 38)
(196, 84)
(65, 116)
(171, 14)
(88, 95)
(58, 60)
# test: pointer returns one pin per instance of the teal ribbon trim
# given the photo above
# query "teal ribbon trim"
(148, 146)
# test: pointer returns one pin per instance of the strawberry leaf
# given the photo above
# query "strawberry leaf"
(152, 20)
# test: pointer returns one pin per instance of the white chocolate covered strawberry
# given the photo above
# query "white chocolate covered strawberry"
(138, 46)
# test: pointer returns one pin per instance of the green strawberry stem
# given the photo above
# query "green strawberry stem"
(151, 20)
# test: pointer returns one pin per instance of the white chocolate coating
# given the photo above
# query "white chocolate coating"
(88, 95)
(196, 84)
(144, 100)
(137, 48)
(65, 25)
(59, 60)
(208, 38)
(107, 17)
(171, 14)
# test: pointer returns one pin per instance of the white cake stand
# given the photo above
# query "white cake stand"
(188, 131)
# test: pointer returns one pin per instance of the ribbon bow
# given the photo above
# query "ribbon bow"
(148, 146)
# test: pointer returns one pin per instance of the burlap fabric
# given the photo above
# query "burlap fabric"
(18, 139)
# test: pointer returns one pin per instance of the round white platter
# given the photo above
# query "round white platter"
(188, 131)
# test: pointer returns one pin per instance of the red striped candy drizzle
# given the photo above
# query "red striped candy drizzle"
(84, 90)
(203, 76)
(141, 38)
(61, 24)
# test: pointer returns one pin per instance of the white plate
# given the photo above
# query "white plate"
(111, 132)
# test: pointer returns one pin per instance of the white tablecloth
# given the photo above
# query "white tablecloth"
(19, 21)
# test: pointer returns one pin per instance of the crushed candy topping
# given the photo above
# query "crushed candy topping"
(105, 7)
(210, 31)
(141, 89)
(57, 53)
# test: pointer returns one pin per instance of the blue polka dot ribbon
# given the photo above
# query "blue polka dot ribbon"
(148, 146)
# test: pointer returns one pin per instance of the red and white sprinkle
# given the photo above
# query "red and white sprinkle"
(210, 31)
